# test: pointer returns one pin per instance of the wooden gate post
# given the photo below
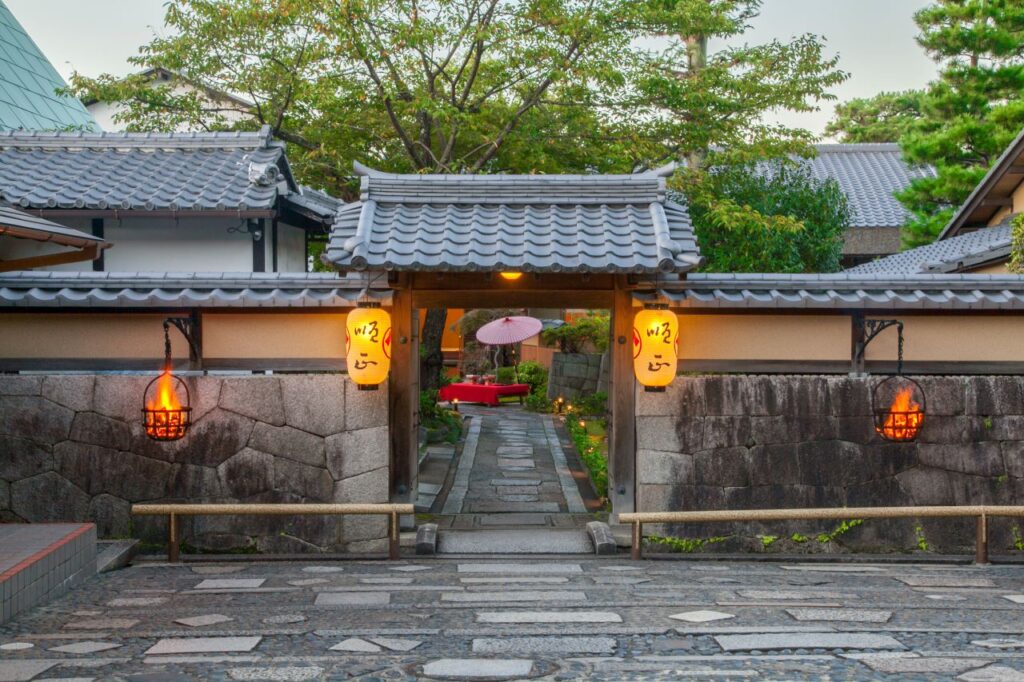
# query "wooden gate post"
(622, 401)
(403, 395)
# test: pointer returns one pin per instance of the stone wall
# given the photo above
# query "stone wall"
(575, 374)
(746, 442)
(72, 448)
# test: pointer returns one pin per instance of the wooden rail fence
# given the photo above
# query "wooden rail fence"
(173, 511)
(980, 512)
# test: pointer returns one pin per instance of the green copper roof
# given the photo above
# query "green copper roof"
(28, 85)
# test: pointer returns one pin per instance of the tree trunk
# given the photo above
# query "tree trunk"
(697, 54)
(431, 357)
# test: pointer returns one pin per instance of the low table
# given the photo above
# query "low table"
(482, 393)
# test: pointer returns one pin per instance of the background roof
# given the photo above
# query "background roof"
(947, 255)
(532, 223)
(868, 174)
(233, 171)
(28, 85)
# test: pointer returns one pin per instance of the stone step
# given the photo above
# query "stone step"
(511, 542)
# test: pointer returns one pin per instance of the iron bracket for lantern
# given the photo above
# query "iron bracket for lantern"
(191, 329)
(864, 332)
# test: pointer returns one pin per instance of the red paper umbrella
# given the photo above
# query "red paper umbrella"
(508, 330)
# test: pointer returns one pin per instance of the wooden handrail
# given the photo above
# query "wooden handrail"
(173, 511)
(980, 512)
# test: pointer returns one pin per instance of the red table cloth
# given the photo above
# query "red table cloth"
(481, 393)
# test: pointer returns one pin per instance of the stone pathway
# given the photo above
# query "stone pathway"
(558, 619)
(512, 461)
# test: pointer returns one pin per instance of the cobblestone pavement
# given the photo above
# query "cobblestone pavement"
(548, 618)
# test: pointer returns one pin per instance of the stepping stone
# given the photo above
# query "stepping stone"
(137, 601)
(25, 669)
(834, 568)
(409, 569)
(842, 615)
(16, 646)
(544, 645)
(672, 644)
(199, 621)
(514, 569)
(1015, 598)
(428, 488)
(103, 624)
(945, 597)
(912, 663)
(545, 580)
(513, 520)
(993, 673)
(285, 619)
(289, 673)
(945, 581)
(486, 668)
(517, 463)
(323, 569)
(702, 616)
(806, 640)
(619, 580)
(511, 450)
(85, 647)
(519, 498)
(203, 645)
(548, 617)
(1000, 643)
(216, 570)
(514, 596)
(396, 644)
(386, 581)
(515, 481)
(352, 599)
(230, 583)
(356, 645)
(83, 614)
(489, 506)
(619, 568)
(306, 582)
(790, 594)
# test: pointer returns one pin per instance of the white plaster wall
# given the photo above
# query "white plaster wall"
(104, 112)
(291, 248)
(168, 245)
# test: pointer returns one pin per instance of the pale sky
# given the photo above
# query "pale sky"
(874, 39)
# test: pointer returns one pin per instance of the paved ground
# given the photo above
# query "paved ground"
(549, 618)
(511, 461)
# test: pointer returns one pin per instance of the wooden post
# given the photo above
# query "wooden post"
(393, 536)
(857, 350)
(622, 402)
(981, 541)
(172, 538)
(636, 552)
(403, 396)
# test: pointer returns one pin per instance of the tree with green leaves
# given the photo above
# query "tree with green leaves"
(1017, 245)
(882, 118)
(783, 189)
(963, 120)
(482, 86)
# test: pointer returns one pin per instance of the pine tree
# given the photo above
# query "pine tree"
(962, 121)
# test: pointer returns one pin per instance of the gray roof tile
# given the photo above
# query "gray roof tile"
(868, 175)
(533, 223)
(53, 289)
(947, 255)
(840, 291)
(144, 171)
(23, 225)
